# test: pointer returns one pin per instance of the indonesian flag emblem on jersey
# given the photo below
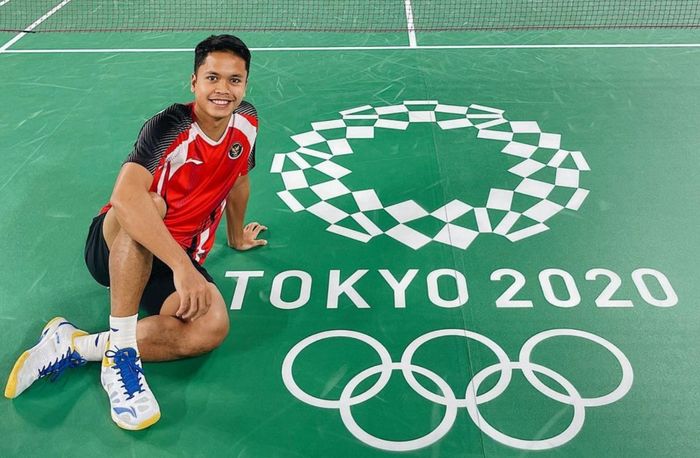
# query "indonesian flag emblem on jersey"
(194, 173)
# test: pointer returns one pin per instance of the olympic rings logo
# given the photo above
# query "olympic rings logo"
(471, 400)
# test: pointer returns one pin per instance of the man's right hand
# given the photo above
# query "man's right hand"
(193, 289)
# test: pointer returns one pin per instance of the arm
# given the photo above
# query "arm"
(239, 237)
(138, 216)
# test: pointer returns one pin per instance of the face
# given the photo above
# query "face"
(219, 85)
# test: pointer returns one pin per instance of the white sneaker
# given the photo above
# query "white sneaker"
(132, 404)
(49, 358)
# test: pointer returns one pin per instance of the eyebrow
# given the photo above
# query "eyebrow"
(211, 72)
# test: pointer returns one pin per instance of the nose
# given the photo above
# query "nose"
(222, 86)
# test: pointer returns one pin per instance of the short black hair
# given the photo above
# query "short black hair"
(227, 43)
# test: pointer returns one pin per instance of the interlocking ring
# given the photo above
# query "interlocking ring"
(543, 444)
(447, 398)
(398, 446)
(300, 394)
(615, 395)
(499, 388)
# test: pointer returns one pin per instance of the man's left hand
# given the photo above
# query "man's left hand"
(250, 237)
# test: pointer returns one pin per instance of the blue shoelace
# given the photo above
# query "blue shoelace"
(125, 362)
(70, 360)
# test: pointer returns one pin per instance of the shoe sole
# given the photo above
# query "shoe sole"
(11, 387)
(143, 425)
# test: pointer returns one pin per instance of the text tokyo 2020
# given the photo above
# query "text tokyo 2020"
(450, 288)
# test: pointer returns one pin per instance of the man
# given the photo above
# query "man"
(188, 167)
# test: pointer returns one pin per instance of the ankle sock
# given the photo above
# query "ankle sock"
(122, 332)
(91, 347)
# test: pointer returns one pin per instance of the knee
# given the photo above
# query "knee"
(160, 204)
(210, 337)
(216, 334)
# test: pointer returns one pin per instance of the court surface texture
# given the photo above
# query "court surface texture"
(483, 245)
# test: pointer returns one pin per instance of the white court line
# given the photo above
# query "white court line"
(412, 42)
(34, 25)
(361, 48)
(570, 46)
(4, 2)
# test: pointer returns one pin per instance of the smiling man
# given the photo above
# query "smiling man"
(188, 168)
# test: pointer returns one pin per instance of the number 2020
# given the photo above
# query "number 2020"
(604, 299)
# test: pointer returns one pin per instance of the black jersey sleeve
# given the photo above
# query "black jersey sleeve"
(251, 159)
(248, 109)
(158, 133)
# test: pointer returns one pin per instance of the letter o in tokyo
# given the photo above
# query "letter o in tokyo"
(434, 291)
(304, 290)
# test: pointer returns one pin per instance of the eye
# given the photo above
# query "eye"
(236, 80)
(211, 78)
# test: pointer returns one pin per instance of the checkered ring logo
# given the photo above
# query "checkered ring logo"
(549, 176)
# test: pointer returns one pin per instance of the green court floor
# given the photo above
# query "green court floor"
(473, 252)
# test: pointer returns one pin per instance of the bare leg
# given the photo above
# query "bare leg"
(129, 264)
(160, 337)
(164, 337)
(132, 403)
(129, 267)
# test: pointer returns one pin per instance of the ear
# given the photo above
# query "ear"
(193, 80)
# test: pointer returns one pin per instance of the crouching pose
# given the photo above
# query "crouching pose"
(188, 168)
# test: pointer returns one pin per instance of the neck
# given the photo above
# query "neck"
(214, 128)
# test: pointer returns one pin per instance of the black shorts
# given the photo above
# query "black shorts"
(160, 284)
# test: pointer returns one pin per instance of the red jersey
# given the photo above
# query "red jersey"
(194, 173)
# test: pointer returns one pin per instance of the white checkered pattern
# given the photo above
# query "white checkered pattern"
(360, 124)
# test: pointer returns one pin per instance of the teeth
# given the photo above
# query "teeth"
(220, 102)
